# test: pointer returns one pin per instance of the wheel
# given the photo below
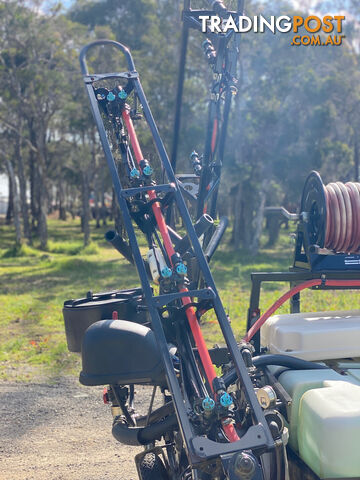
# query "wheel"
(152, 468)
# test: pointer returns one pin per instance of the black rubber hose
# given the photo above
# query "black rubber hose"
(156, 415)
(282, 360)
(157, 430)
(135, 436)
(120, 245)
(125, 434)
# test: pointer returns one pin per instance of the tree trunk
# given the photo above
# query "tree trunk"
(34, 181)
(16, 202)
(38, 139)
(61, 193)
(113, 205)
(22, 184)
(43, 210)
(273, 224)
(103, 209)
(259, 220)
(85, 206)
(357, 160)
(10, 207)
(236, 214)
(116, 214)
(96, 201)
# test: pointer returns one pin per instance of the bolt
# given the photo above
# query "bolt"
(245, 465)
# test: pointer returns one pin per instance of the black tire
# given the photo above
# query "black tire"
(152, 468)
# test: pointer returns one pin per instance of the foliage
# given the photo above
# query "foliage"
(295, 110)
(34, 287)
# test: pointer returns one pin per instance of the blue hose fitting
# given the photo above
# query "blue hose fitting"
(134, 173)
(208, 404)
(226, 400)
(122, 95)
(110, 97)
(166, 272)
(181, 269)
(147, 171)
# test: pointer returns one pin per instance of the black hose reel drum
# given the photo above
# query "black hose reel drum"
(331, 214)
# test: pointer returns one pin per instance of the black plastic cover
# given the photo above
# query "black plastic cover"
(81, 313)
(120, 352)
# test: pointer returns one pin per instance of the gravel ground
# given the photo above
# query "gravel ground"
(61, 431)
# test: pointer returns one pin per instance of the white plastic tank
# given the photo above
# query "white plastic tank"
(296, 383)
(329, 430)
(313, 336)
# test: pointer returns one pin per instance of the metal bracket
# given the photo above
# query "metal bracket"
(96, 77)
(161, 300)
(130, 192)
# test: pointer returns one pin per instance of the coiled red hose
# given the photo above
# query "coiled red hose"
(343, 217)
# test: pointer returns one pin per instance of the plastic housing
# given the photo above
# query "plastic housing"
(120, 352)
(81, 313)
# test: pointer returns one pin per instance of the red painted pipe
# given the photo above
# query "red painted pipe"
(214, 135)
(293, 291)
(190, 312)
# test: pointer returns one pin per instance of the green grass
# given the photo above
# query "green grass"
(34, 285)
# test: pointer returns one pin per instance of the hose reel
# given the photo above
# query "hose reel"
(333, 214)
(329, 225)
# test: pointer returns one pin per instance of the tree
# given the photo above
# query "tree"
(37, 59)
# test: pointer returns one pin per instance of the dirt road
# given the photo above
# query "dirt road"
(62, 431)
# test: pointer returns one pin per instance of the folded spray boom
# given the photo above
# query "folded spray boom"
(143, 202)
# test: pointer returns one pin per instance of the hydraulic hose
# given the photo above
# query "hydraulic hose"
(142, 435)
(190, 311)
(281, 360)
(293, 291)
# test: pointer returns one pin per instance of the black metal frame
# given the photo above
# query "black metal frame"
(223, 85)
(294, 277)
(199, 448)
(316, 259)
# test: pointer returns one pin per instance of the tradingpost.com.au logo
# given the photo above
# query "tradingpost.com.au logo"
(306, 30)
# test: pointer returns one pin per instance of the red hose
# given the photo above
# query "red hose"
(190, 312)
(293, 291)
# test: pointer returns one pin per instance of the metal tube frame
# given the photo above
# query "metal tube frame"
(217, 123)
(294, 277)
(199, 448)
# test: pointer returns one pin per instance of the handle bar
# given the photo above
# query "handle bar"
(282, 211)
(103, 42)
